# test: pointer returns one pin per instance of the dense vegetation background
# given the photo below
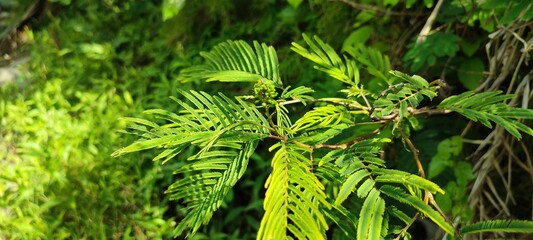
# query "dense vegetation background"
(70, 70)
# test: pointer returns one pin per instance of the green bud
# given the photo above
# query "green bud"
(265, 92)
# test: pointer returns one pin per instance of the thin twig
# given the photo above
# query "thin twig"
(346, 145)
(428, 197)
(414, 151)
(382, 94)
(353, 104)
(427, 27)
(364, 98)
(404, 230)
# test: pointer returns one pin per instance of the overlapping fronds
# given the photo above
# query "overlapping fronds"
(373, 60)
(418, 204)
(225, 131)
(294, 198)
(299, 93)
(354, 170)
(236, 61)
(322, 117)
(487, 106)
(409, 93)
(207, 120)
(202, 191)
(511, 226)
(350, 188)
(362, 170)
(328, 60)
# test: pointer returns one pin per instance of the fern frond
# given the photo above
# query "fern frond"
(375, 62)
(293, 198)
(349, 185)
(236, 61)
(487, 106)
(397, 176)
(284, 122)
(416, 80)
(344, 219)
(418, 204)
(371, 217)
(511, 226)
(321, 117)
(354, 163)
(204, 191)
(410, 93)
(226, 132)
(299, 93)
(328, 60)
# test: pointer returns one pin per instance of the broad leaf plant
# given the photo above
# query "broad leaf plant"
(327, 166)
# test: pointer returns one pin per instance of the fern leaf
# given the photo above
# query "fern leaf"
(349, 185)
(293, 199)
(236, 61)
(512, 226)
(375, 62)
(371, 217)
(416, 80)
(365, 188)
(299, 93)
(226, 131)
(321, 117)
(343, 219)
(418, 204)
(489, 106)
(204, 192)
(396, 176)
(328, 60)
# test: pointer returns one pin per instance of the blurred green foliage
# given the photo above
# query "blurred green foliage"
(92, 62)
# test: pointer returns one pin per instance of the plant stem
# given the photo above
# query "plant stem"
(414, 151)
(428, 197)
(404, 230)
(427, 27)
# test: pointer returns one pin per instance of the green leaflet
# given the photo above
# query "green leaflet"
(204, 192)
(416, 80)
(365, 188)
(293, 198)
(418, 204)
(233, 76)
(236, 61)
(514, 226)
(322, 117)
(396, 176)
(160, 142)
(349, 185)
(371, 217)
(328, 60)
(487, 106)
(375, 62)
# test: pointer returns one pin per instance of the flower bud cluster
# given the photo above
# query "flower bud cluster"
(265, 92)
